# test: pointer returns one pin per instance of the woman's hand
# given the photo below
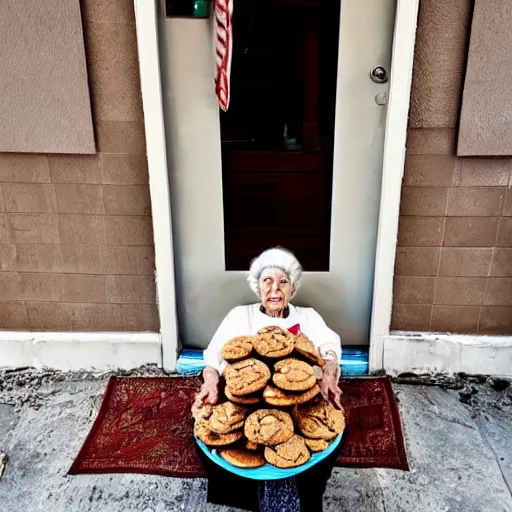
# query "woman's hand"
(209, 392)
(329, 381)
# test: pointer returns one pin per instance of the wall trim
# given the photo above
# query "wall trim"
(70, 351)
(393, 167)
(445, 353)
(146, 21)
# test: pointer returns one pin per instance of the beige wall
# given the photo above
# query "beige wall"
(76, 242)
(454, 258)
(486, 94)
(44, 103)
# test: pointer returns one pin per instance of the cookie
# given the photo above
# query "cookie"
(226, 418)
(251, 445)
(242, 458)
(202, 412)
(243, 400)
(293, 375)
(280, 398)
(307, 349)
(268, 427)
(316, 445)
(289, 454)
(246, 377)
(274, 342)
(203, 432)
(236, 349)
(320, 420)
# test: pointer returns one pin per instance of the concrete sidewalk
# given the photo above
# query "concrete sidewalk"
(460, 454)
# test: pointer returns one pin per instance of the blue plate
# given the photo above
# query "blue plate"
(269, 472)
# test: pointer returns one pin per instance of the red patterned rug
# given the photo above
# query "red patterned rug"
(144, 426)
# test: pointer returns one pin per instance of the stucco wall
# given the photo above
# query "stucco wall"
(44, 104)
(487, 84)
(454, 257)
(76, 242)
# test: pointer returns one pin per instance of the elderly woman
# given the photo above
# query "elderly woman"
(275, 277)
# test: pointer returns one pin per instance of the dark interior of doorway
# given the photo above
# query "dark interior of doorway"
(278, 134)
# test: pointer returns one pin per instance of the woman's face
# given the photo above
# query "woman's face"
(276, 289)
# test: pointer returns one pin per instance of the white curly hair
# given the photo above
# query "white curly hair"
(276, 257)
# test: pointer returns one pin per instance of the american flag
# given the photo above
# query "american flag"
(223, 50)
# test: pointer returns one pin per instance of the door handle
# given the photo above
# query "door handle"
(379, 74)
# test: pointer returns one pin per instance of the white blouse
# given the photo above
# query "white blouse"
(248, 320)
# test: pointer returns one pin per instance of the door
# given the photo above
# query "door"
(219, 220)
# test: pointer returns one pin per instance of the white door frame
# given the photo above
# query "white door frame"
(392, 173)
(147, 21)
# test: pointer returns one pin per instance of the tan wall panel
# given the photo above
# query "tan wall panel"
(454, 256)
(76, 242)
(44, 104)
(486, 116)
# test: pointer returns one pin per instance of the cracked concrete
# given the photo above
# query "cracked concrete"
(459, 445)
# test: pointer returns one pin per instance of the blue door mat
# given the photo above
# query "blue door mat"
(354, 362)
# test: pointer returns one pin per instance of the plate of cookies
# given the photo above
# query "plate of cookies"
(271, 421)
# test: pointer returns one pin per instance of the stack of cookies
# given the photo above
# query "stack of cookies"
(272, 410)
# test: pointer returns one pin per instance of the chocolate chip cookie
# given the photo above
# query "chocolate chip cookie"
(280, 398)
(202, 412)
(289, 454)
(307, 349)
(251, 445)
(293, 375)
(246, 377)
(203, 432)
(320, 420)
(237, 349)
(242, 458)
(242, 400)
(316, 445)
(226, 418)
(268, 427)
(274, 342)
